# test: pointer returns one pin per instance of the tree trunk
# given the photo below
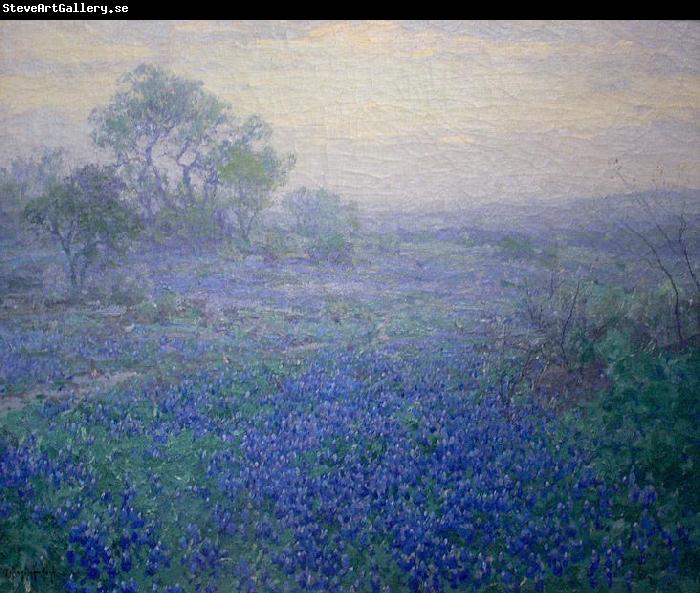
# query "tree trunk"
(243, 229)
(73, 274)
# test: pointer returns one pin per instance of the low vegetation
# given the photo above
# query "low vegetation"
(212, 383)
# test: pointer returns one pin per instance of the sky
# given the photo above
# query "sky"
(394, 112)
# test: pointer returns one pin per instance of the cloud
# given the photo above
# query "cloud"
(404, 107)
(64, 43)
(73, 97)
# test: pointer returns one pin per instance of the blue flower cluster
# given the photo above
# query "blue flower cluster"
(30, 357)
(362, 474)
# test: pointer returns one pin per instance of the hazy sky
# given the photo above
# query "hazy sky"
(385, 111)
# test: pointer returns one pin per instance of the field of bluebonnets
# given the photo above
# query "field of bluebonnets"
(333, 399)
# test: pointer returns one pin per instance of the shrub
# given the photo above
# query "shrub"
(320, 212)
(195, 224)
(516, 248)
(161, 310)
(385, 242)
(120, 288)
(648, 422)
(146, 312)
(167, 306)
(325, 222)
(333, 248)
(274, 244)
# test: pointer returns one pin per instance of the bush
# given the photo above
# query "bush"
(333, 248)
(516, 248)
(325, 222)
(384, 242)
(316, 213)
(20, 280)
(23, 181)
(274, 244)
(146, 312)
(648, 422)
(161, 310)
(194, 224)
(120, 288)
(565, 330)
(167, 305)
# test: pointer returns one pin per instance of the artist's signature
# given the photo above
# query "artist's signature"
(27, 576)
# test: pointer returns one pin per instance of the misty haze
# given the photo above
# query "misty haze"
(349, 307)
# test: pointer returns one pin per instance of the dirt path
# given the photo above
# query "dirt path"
(79, 385)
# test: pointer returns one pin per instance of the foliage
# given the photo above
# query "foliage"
(249, 178)
(648, 422)
(516, 247)
(320, 212)
(658, 230)
(325, 221)
(123, 287)
(644, 432)
(160, 130)
(333, 248)
(86, 216)
(24, 180)
(274, 244)
(384, 243)
(160, 310)
(194, 224)
(29, 178)
(552, 330)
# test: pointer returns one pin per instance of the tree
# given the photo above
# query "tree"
(318, 212)
(249, 177)
(659, 228)
(161, 131)
(86, 216)
(324, 220)
(25, 179)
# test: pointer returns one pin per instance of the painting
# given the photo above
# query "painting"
(349, 306)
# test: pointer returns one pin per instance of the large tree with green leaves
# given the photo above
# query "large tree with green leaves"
(162, 131)
(86, 215)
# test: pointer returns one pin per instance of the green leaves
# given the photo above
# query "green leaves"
(253, 170)
(249, 176)
(162, 130)
(649, 422)
(86, 216)
(324, 221)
